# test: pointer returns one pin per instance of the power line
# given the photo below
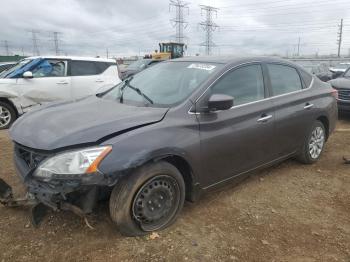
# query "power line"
(179, 22)
(340, 36)
(209, 27)
(265, 3)
(304, 7)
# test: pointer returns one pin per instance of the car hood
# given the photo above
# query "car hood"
(340, 83)
(88, 121)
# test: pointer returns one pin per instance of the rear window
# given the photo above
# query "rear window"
(85, 68)
(103, 66)
(284, 79)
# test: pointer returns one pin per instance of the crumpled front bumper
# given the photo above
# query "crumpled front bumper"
(75, 193)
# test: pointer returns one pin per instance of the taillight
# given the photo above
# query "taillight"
(334, 93)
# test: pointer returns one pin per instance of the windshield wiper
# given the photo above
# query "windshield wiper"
(137, 90)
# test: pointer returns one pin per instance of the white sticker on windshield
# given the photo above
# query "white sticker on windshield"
(202, 66)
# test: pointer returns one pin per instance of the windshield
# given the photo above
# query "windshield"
(17, 66)
(164, 84)
(140, 64)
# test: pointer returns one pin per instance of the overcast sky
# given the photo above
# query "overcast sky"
(132, 27)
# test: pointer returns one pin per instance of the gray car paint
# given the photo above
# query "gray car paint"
(342, 84)
(216, 146)
(85, 122)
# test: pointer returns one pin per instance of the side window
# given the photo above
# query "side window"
(307, 78)
(284, 79)
(103, 66)
(83, 68)
(50, 68)
(245, 84)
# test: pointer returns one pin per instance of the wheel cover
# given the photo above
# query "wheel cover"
(316, 142)
(5, 116)
(156, 202)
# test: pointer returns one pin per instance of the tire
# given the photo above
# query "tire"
(157, 190)
(305, 156)
(7, 115)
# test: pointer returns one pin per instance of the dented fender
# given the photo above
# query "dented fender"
(135, 148)
(10, 90)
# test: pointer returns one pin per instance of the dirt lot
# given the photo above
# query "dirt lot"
(291, 212)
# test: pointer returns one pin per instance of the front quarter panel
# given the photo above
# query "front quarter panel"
(177, 134)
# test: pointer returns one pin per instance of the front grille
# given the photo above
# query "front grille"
(30, 157)
(344, 94)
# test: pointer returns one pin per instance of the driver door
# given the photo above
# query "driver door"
(49, 83)
(237, 140)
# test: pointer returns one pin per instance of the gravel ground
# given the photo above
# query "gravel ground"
(290, 212)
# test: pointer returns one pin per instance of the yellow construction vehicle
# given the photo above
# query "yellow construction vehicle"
(169, 50)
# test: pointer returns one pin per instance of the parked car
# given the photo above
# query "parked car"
(6, 66)
(339, 69)
(37, 80)
(137, 66)
(169, 133)
(342, 84)
(321, 71)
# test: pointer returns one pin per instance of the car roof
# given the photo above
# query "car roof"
(78, 58)
(232, 59)
(8, 63)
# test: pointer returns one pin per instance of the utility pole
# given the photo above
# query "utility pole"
(35, 42)
(179, 22)
(209, 27)
(107, 53)
(340, 36)
(6, 45)
(299, 46)
(56, 41)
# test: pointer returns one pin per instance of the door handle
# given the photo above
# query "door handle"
(308, 106)
(264, 118)
(99, 81)
(62, 83)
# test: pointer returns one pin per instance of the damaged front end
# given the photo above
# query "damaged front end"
(49, 185)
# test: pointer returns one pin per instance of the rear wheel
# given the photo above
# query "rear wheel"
(7, 115)
(150, 199)
(313, 145)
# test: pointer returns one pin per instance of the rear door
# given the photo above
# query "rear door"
(236, 140)
(88, 77)
(109, 75)
(294, 106)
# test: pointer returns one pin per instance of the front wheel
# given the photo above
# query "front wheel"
(313, 145)
(149, 199)
(7, 115)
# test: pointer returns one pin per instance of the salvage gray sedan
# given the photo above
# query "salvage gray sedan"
(167, 134)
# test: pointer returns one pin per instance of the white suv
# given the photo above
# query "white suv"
(37, 80)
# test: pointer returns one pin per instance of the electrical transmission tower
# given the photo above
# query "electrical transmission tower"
(179, 22)
(56, 41)
(340, 36)
(7, 49)
(209, 27)
(35, 42)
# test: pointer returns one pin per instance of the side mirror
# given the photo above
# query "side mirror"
(220, 102)
(27, 74)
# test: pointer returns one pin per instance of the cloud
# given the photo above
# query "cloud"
(135, 27)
